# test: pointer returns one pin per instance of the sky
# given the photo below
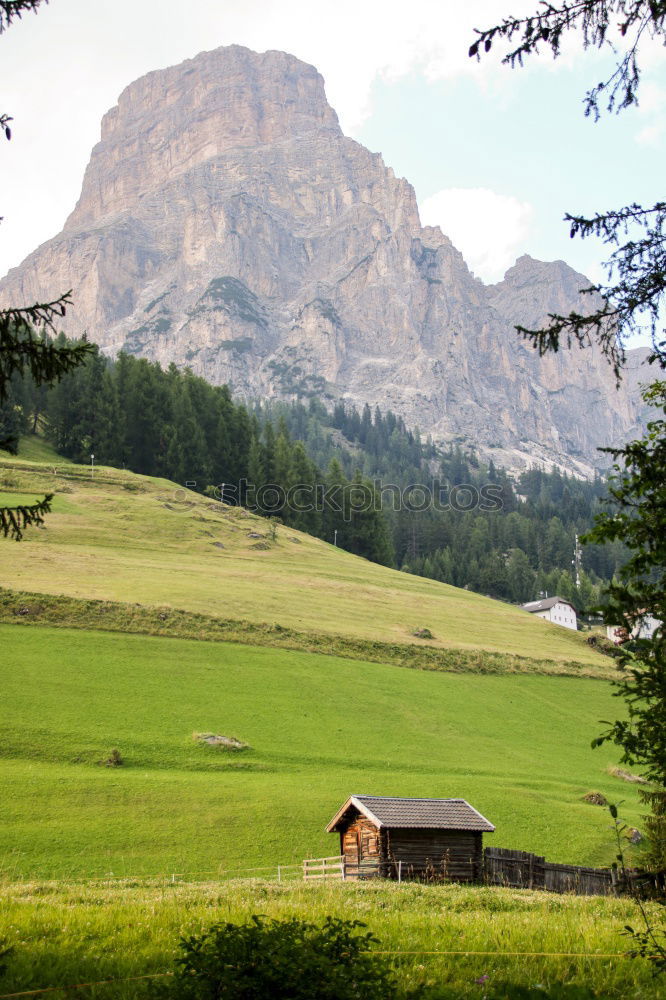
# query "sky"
(496, 156)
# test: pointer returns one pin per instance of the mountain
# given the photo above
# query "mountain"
(226, 223)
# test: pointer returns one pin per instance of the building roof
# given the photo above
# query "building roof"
(432, 814)
(548, 602)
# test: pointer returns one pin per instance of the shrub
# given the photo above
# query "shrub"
(4, 952)
(595, 798)
(115, 759)
(423, 633)
(279, 959)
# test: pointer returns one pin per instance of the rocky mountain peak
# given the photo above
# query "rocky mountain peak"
(227, 224)
(533, 289)
(171, 121)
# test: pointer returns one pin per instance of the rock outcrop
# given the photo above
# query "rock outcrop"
(227, 224)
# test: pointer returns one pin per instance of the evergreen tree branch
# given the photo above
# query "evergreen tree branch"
(581, 329)
(13, 10)
(596, 21)
(634, 297)
(21, 349)
(14, 520)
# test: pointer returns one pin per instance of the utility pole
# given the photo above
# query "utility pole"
(577, 560)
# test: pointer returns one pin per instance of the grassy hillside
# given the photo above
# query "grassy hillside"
(156, 585)
(319, 728)
(123, 537)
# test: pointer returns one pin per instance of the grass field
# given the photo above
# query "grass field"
(77, 934)
(319, 727)
(20, 607)
(129, 538)
(154, 615)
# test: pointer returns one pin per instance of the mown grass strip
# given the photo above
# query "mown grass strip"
(25, 608)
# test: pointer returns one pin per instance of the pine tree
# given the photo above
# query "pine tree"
(187, 457)
(256, 472)
(21, 349)
(635, 290)
(305, 514)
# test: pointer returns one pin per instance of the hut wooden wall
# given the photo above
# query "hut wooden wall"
(451, 854)
(363, 834)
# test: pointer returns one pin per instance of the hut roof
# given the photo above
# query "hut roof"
(431, 814)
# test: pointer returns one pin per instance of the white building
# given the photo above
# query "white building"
(555, 610)
(645, 628)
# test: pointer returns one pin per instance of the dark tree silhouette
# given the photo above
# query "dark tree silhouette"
(636, 268)
(635, 293)
(22, 349)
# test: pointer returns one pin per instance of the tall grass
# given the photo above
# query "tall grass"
(66, 934)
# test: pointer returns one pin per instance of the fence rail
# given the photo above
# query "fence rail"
(501, 867)
(339, 867)
(324, 868)
(522, 870)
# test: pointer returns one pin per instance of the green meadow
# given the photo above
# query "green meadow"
(318, 727)
(141, 615)
(128, 538)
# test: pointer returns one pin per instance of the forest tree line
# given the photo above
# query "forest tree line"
(130, 413)
(519, 552)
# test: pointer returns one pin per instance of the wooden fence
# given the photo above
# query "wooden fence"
(337, 867)
(522, 870)
(513, 868)
(504, 867)
(319, 868)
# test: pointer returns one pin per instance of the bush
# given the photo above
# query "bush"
(513, 991)
(423, 633)
(115, 759)
(280, 959)
(4, 952)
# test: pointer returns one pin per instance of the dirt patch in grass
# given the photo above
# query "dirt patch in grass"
(634, 779)
(221, 742)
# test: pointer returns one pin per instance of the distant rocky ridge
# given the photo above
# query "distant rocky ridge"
(227, 224)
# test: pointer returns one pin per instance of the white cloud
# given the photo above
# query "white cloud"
(651, 135)
(652, 108)
(489, 229)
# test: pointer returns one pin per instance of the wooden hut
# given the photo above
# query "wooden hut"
(410, 838)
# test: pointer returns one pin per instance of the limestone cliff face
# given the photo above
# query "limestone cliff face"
(226, 223)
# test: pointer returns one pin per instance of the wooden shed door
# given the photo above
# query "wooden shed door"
(350, 845)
